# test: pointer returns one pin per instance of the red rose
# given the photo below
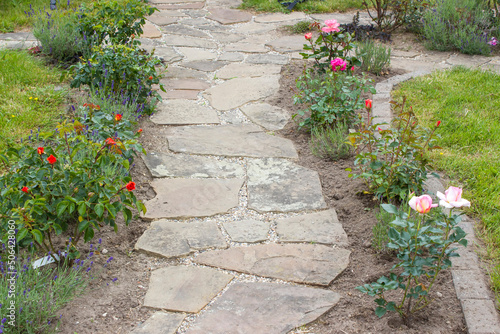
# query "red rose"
(438, 123)
(118, 117)
(139, 131)
(40, 150)
(110, 141)
(130, 186)
(51, 159)
(368, 103)
(24, 189)
(150, 77)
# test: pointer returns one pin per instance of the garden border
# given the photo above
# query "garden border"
(477, 300)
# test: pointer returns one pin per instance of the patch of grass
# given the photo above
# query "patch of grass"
(31, 95)
(310, 6)
(330, 143)
(468, 103)
(300, 27)
(375, 58)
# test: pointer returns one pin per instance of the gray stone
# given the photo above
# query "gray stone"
(17, 36)
(160, 323)
(466, 60)
(237, 70)
(229, 140)
(183, 112)
(150, 31)
(225, 38)
(470, 284)
(342, 18)
(384, 87)
(176, 6)
(279, 17)
(237, 92)
(320, 227)
(266, 115)
(175, 1)
(167, 54)
(263, 308)
(247, 230)
(300, 263)
(195, 54)
(175, 40)
(14, 45)
(173, 239)
(197, 13)
(282, 186)
(188, 166)
(189, 84)
(404, 53)
(226, 3)
(205, 65)
(184, 288)
(287, 44)
(468, 259)
(161, 20)
(253, 28)
(267, 59)
(228, 16)
(246, 47)
(184, 198)
(231, 56)
(481, 316)
(182, 94)
(199, 22)
(179, 29)
(184, 73)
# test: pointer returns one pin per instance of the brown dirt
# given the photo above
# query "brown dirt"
(117, 307)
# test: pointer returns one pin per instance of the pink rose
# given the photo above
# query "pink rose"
(308, 36)
(331, 25)
(452, 198)
(338, 64)
(422, 204)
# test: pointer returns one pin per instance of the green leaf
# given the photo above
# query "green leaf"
(83, 225)
(111, 210)
(61, 207)
(89, 234)
(99, 210)
(37, 235)
(380, 311)
(82, 207)
(22, 234)
(389, 208)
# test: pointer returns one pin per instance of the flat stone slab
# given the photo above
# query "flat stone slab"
(226, 38)
(191, 166)
(237, 92)
(470, 284)
(228, 16)
(162, 20)
(231, 56)
(184, 73)
(246, 47)
(173, 239)
(247, 71)
(263, 308)
(287, 44)
(205, 65)
(167, 54)
(268, 116)
(184, 288)
(282, 186)
(320, 227)
(182, 94)
(267, 59)
(250, 230)
(185, 198)
(175, 6)
(189, 84)
(150, 31)
(176, 40)
(18, 36)
(179, 29)
(300, 263)
(160, 323)
(279, 17)
(481, 316)
(196, 54)
(183, 112)
(255, 28)
(229, 140)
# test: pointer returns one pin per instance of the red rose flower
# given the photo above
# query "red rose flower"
(150, 77)
(118, 117)
(139, 131)
(130, 186)
(368, 103)
(110, 141)
(51, 159)
(40, 150)
(438, 123)
(24, 189)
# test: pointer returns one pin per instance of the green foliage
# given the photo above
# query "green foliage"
(57, 34)
(423, 248)
(331, 98)
(300, 27)
(119, 70)
(113, 20)
(310, 6)
(389, 15)
(83, 187)
(380, 232)
(374, 58)
(330, 143)
(391, 161)
(464, 25)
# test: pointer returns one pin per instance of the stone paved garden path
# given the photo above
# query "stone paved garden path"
(261, 245)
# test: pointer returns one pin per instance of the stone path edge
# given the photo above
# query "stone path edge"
(463, 278)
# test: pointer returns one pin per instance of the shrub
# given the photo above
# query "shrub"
(374, 58)
(464, 25)
(330, 143)
(388, 15)
(57, 34)
(74, 188)
(391, 161)
(119, 70)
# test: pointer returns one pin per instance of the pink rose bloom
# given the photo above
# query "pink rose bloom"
(493, 41)
(422, 204)
(331, 25)
(452, 198)
(338, 64)
(308, 36)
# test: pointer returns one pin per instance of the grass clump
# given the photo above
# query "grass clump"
(374, 58)
(30, 95)
(300, 27)
(330, 142)
(310, 6)
(466, 101)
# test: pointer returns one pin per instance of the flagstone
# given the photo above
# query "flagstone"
(279, 17)
(183, 94)
(180, 29)
(225, 38)
(300, 263)
(162, 20)
(280, 185)
(182, 112)
(255, 28)
(267, 59)
(287, 44)
(249, 230)
(167, 54)
(187, 5)
(173, 239)
(189, 84)
(205, 65)
(150, 31)
(246, 47)
(191, 166)
(320, 227)
(237, 92)
(184, 73)
(231, 56)
(160, 323)
(245, 140)
(176, 40)
(184, 198)
(229, 16)
(184, 288)
(237, 70)
(266, 115)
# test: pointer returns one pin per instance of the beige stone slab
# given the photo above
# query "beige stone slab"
(161, 20)
(183, 112)
(287, 44)
(197, 54)
(189, 5)
(246, 47)
(176, 40)
(228, 16)
(160, 323)
(183, 94)
(150, 31)
(268, 116)
(237, 70)
(279, 17)
(187, 84)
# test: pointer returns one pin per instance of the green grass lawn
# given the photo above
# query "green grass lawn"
(28, 99)
(310, 6)
(468, 104)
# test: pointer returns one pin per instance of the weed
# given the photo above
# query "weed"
(374, 58)
(330, 142)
